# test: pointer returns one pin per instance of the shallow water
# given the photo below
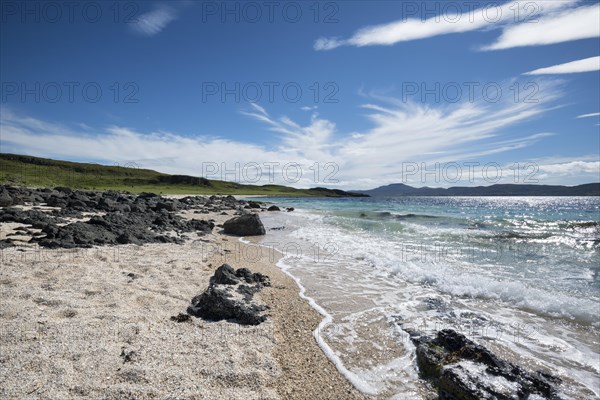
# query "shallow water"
(518, 275)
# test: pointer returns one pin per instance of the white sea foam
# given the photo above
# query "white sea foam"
(353, 378)
(374, 269)
(447, 274)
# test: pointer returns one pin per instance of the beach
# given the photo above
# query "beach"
(96, 323)
(109, 295)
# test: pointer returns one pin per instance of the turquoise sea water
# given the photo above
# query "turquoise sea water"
(520, 275)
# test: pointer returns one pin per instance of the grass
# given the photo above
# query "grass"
(20, 170)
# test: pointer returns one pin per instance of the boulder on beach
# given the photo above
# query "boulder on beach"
(229, 296)
(273, 208)
(461, 369)
(244, 225)
(253, 204)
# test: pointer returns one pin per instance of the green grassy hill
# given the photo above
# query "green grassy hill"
(31, 171)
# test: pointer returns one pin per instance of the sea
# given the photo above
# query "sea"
(518, 275)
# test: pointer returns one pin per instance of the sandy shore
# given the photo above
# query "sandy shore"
(95, 324)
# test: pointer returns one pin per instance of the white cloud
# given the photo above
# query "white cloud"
(585, 65)
(400, 132)
(447, 22)
(567, 25)
(589, 115)
(572, 167)
(569, 172)
(153, 22)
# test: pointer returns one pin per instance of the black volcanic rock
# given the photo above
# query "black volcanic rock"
(244, 225)
(461, 369)
(229, 296)
(5, 198)
(126, 219)
(273, 208)
(253, 204)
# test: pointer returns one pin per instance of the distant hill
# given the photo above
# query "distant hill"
(22, 170)
(400, 189)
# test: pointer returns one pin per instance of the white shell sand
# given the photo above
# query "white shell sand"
(95, 324)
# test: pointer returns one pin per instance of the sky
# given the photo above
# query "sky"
(346, 94)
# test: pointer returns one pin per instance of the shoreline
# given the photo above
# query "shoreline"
(99, 293)
(95, 322)
(308, 373)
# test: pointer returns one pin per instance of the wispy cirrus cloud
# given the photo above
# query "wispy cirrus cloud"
(564, 26)
(586, 65)
(153, 22)
(549, 22)
(589, 115)
(399, 132)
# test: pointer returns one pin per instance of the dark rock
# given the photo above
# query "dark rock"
(181, 317)
(249, 277)
(63, 189)
(124, 238)
(76, 203)
(224, 275)
(127, 356)
(131, 275)
(6, 243)
(290, 209)
(6, 199)
(56, 202)
(461, 369)
(166, 205)
(244, 225)
(107, 204)
(128, 219)
(227, 298)
(247, 291)
(253, 204)
(146, 195)
(273, 208)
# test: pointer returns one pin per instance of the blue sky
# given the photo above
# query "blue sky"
(367, 93)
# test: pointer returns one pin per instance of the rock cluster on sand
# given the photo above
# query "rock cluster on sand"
(117, 218)
(462, 369)
(229, 296)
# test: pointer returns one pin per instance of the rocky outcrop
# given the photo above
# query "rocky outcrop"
(244, 225)
(230, 296)
(273, 208)
(121, 228)
(462, 370)
(125, 219)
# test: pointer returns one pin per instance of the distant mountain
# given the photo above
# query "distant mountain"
(400, 189)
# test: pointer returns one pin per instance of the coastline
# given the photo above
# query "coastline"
(95, 323)
(99, 293)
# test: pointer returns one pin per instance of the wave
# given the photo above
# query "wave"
(453, 276)
(390, 215)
